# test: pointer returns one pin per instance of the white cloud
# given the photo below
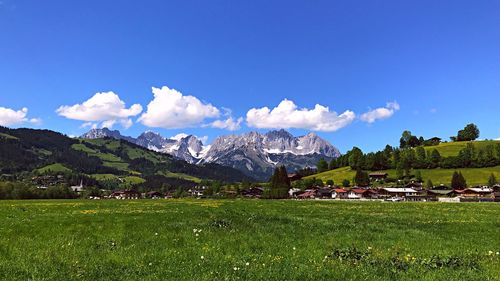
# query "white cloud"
(10, 117)
(170, 109)
(89, 125)
(230, 124)
(288, 115)
(36, 121)
(380, 113)
(106, 108)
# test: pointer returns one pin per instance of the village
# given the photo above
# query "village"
(411, 192)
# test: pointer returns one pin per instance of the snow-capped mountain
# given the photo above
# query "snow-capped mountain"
(257, 154)
(253, 153)
(186, 147)
(106, 133)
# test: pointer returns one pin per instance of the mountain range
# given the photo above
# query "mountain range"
(253, 153)
(29, 152)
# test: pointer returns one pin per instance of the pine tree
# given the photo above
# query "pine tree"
(458, 181)
(322, 165)
(361, 178)
(429, 184)
(435, 158)
(279, 184)
(492, 180)
(455, 182)
(418, 176)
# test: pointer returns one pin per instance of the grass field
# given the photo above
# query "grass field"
(453, 148)
(474, 176)
(57, 167)
(248, 240)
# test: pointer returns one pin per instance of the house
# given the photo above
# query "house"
(293, 192)
(415, 185)
(253, 192)
(125, 194)
(361, 193)
(154, 195)
(308, 194)
(324, 192)
(77, 188)
(376, 176)
(294, 177)
(356, 193)
(477, 192)
(496, 192)
(397, 192)
(339, 193)
(197, 191)
(435, 193)
(432, 141)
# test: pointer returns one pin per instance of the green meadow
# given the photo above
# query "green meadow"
(474, 176)
(447, 149)
(192, 239)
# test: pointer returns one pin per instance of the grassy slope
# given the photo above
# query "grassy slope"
(182, 176)
(438, 176)
(452, 148)
(474, 176)
(280, 240)
(57, 167)
(111, 160)
(7, 136)
(132, 152)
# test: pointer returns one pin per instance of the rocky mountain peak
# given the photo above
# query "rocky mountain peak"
(253, 153)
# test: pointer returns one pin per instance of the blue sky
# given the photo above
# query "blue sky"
(437, 64)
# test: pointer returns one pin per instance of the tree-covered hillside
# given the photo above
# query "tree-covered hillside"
(33, 152)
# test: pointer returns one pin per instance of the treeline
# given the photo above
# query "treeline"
(20, 190)
(407, 157)
(22, 151)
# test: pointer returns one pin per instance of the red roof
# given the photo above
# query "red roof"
(307, 194)
(359, 190)
(340, 190)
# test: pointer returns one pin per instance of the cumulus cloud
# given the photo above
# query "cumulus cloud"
(288, 115)
(106, 108)
(230, 124)
(380, 113)
(170, 109)
(10, 117)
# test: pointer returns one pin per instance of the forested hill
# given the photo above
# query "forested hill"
(29, 151)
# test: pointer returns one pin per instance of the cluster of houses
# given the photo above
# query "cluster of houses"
(411, 192)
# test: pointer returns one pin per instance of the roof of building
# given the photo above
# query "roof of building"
(340, 190)
(480, 190)
(308, 193)
(398, 190)
(378, 174)
(440, 191)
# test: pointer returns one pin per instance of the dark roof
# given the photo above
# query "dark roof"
(154, 193)
(440, 192)
(377, 174)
